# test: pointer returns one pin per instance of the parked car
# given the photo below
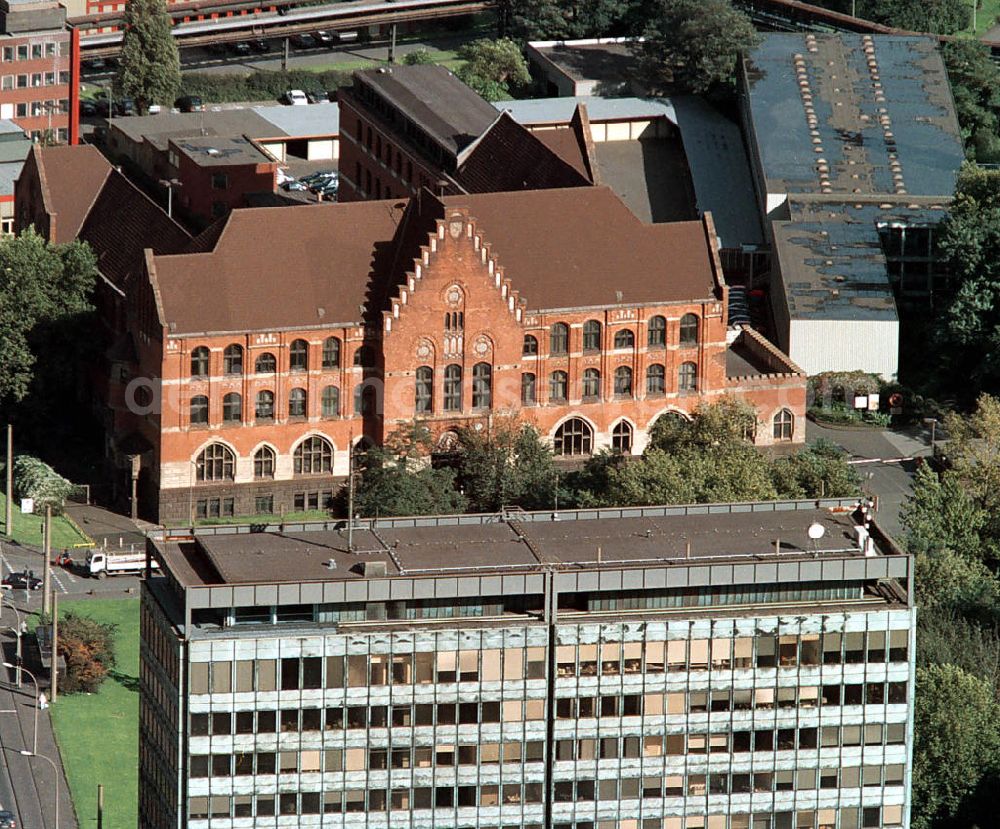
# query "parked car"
(292, 184)
(124, 106)
(324, 37)
(190, 103)
(95, 65)
(260, 45)
(304, 41)
(7, 820)
(241, 49)
(316, 96)
(23, 580)
(295, 97)
(88, 109)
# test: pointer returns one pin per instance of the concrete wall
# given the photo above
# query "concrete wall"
(845, 345)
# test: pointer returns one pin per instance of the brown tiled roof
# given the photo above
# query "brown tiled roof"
(510, 157)
(121, 224)
(311, 266)
(279, 268)
(71, 178)
(565, 143)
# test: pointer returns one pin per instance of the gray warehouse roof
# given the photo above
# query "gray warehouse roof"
(303, 121)
(853, 114)
(831, 260)
(632, 538)
(538, 111)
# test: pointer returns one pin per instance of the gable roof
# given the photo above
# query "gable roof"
(340, 264)
(121, 224)
(509, 157)
(71, 178)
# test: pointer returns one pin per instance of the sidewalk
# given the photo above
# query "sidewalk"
(26, 782)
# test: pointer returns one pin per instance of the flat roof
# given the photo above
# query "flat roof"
(216, 151)
(831, 260)
(517, 543)
(885, 119)
(604, 59)
(322, 119)
(540, 111)
(450, 112)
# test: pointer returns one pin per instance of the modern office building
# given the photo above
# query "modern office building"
(745, 666)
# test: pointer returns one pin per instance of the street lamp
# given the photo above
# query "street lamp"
(55, 777)
(170, 184)
(932, 422)
(38, 704)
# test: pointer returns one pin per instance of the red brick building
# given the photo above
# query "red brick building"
(278, 337)
(39, 69)
(404, 128)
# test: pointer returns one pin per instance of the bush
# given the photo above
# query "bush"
(36, 479)
(89, 649)
(259, 86)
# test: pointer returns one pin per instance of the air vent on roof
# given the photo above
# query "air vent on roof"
(212, 151)
(372, 569)
(330, 564)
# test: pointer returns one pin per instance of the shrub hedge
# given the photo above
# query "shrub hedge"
(259, 86)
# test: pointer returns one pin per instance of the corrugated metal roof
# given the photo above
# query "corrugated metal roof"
(854, 114)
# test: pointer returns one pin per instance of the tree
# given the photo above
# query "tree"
(88, 647)
(39, 284)
(975, 86)
(942, 17)
(956, 740)
(149, 69)
(509, 465)
(398, 479)
(966, 336)
(562, 19)
(694, 45)
(418, 57)
(819, 471)
(940, 514)
(494, 68)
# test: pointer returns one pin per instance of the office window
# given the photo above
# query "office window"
(331, 352)
(528, 389)
(623, 382)
(656, 380)
(330, 401)
(264, 409)
(215, 463)
(298, 356)
(297, 403)
(314, 456)
(784, 424)
(199, 362)
(624, 338)
(199, 410)
(453, 388)
(591, 384)
(689, 330)
(591, 335)
(220, 181)
(232, 408)
(265, 363)
(621, 437)
(232, 359)
(574, 437)
(482, 386)
(559, 339)
(657, 332)
(558, 383)
(530, 347)
(263, 463)
(687, 377)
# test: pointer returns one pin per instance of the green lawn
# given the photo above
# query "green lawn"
(98, 735)
(446, 58)
(28, 528)
(986, 18)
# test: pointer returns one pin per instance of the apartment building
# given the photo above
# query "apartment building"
(728, 667)
(39, 70)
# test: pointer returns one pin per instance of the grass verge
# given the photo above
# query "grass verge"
(28, 528)
(98, 734)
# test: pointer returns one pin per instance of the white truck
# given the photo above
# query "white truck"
(101, 564)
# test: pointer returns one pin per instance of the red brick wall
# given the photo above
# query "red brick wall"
(34, 69)
(199, 195)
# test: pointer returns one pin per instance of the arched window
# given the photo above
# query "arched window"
(331, 353)
(657, 332)
(558, 382)
(314, 456)
(687, 377)
(365, 399)
(265, 405)
(454, 321)
(559, 338)
(656, 379)
(215, 463)
(623, 381)
(689, 330)
(591, 384)
(574, 437)
(624, 338)
(265, 363)
(199, 410)
(232, 408)
(199, 362)
(453, 388)
(529, 392)
(364, 357)
(232, 359)
(530, 347)
(621, 437)
(297, 403)
(784, 425)
(331, 401)
(424, 401)
(482, 386)
(591, 335)
(263, 462)
(298, 356)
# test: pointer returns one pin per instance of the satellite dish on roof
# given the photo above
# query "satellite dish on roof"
(816, 531)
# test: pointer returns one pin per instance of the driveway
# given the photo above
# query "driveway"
(885, 459)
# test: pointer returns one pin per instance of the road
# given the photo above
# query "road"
(885, 459)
